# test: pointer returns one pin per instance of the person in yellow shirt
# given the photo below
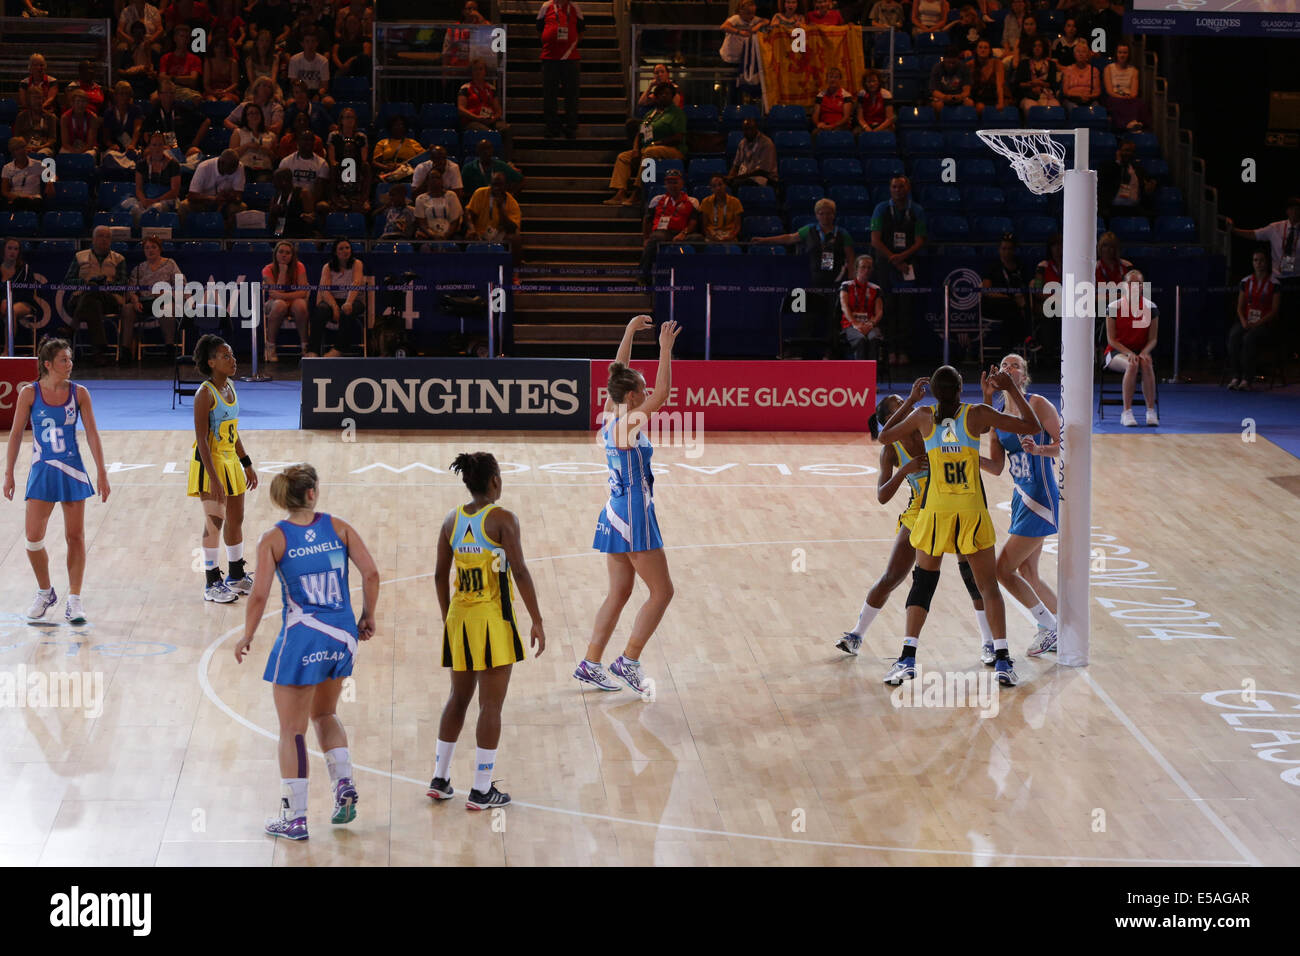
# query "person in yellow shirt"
(494, 214)
(720, 213)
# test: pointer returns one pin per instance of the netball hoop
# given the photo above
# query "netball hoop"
(1040, 162)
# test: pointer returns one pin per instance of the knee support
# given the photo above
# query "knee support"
(968, 578)
(923, 584)
(36, 545)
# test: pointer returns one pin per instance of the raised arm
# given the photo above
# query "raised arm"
(984, 417)
(914, 421)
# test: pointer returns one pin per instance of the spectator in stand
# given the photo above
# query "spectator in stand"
(987, 87)
(1063, 46)
(302, 102)
(351, 183)
(339, 299)
(1123, 99)
(287, 216)
(438, 212)
(1123, 188)
(1283, 238)
(645, 101)
(37, 78)
(25, 8)
(308, 18)
(898, 231)
(263, 60)
(1012, 26)
(560, 24)
(187, 13)
(284, 282)
(155, 268)
(1080, 81)
(833, 107)
(14, 269)
(950, 82)
(1036, 77)
(862, 307)
(97, 266)
(1258, 305)
(86, 83)
(1028, 34)
(494, 215)
(479, 108)
(787, 17)
(830, 255)
(275, 17)
(1111, 266)
(227, 17)
(79, 128)
(875, 112)
(450, 171)
(311, 69)
(739, 45)
(221, 73)
(1132, 326)
(396, 214)
(479, 173)
(1103, 15)
(138, 65)
(889, 13)
(366, 14)
(662, 136)
(122, 123)
(1006, 297)
(139, 11)
(967, 32)
(457, 41)
(352, 55)
(37, 126)
(262, 94)
(184, 68)
(670, 216)
(394, 152)
(157, 181)
(182, 128)
(21, 181)
(720, 213)
(755, 161)
(824, 14)
(930, 16)
(217, 186)
(254, 144)
(311, 174)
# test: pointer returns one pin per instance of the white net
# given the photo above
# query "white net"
(1038, 160)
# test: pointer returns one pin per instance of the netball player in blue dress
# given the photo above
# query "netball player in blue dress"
(627, 530)
(53, 404)
(317, 643)
(1035, 505)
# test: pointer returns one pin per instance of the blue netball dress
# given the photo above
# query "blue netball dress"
(1036, 499)
(628, 522)
(318, 634)
(57, 472)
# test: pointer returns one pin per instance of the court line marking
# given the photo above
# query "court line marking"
(210, 692)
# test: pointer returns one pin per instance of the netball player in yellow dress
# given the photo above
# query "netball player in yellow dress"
(954, 514)
(480, 638)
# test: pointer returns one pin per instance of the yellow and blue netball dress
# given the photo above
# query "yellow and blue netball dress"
(954, 512)
(916, 480)
(481, 630)
(1036, 500)
(628, 522)
(57, 471)
(318, 632)
(223, 434)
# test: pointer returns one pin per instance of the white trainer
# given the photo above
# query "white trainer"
(1152, 417)
(219, 593)
(1127, 419)
(43, 602)
(73, 613)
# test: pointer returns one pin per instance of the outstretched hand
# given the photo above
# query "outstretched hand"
(640, 323)
(918, 389)
(668, 333)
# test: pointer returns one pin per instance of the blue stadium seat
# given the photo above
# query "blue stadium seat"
(216, 110)
(939, 198)
(791, 142)
(842, 171)
(112, 219)
(758, 200)
(19, 223)
(833, 143)
(472, 137)
(877, 144)
(882, 169)
(1181, 229)
(70, 194)
(8, 111)
(1101, 147)
(350, 87)
(700, 171)
(920, 142)
(798, 222)
(699, 192)
(153, 219)
(202, 245)
(907, 65)
(908, 89)
(1045, 117)
(761, 226)
(215, 140)
(851, 200)
(59, 224)
(927, 170)
(913, 117)
(799, 200)
(733, 143)
(990, 228)
(448, 139)
(784, 116)
(1148, 147)
(902, 43)
(259, 195)
(859, 227)
(345, 224)
(976, 172)
(965, 143)
(111, 194)
(245, 245)
(1093, 117)
(702, 118)
(205, 225)
(1131, 228)
(677, 249)
(71, 165)
(959, 117)
(720, 249)
(767, 249)
(1036, 228)
(734, 116)
(1157, 169)
(949, 228)
(439, 116)
(984, 200)
(993, 118)
(799, 171)
(931, 42)
(1021, 202)
(388, 110)
(1169, 201)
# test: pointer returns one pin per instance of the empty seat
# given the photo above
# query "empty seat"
(976, 172)
(949, 228)
(792, 142)
(70, 194)
(448, 139)
(1045, 117)
(850, 199)
(841, 170)
(700, 171)
(345, 224)
(720, 249)
(800, 170)
(878, 143)
(920, 142)
(439, 116)
(471, 139)
(1169, 201)
(1093, 117)
(928, 170)
(203, 225)
(859, 227)
(757, 199)
(65, 223)
(1131, 228)
(733, 117)
(785, 116)
(965, 143)
(993, 118)
(1147, 144)
(702, 118)
(19, 223)
(914, 116)
(70, 165)
(883, 169)
(404, 109)
(1175, 229)
(753, 226)
(1036, 228)
(834, 143)
(959, 117)
(984, 199)
(989, 228)
(111, 194)
(801, 199)
(939, 198)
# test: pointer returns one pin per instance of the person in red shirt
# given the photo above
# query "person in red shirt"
(479, 107)
(1258, 303)
(824, 14)
(861, 309)
(185, 69)
(672, 215)
(834, 105)
(560, 24)
(1131, 325)
(874, 109)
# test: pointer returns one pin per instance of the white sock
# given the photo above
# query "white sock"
(210, 558)
(235, 552)
(74, 597)
(1043, 616)
(984, 627)
(294, 790)
(484, 761)
(46, 591)
(339, 763)
(865, 617)
(442, 758)
(999, 644)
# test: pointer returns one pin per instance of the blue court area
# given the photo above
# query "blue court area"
(143, 405)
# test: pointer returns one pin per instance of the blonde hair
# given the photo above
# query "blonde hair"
(289, 488)
(823, 204)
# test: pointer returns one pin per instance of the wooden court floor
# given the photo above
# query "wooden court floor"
(763, 746)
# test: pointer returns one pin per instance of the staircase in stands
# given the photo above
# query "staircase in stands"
(572, 243)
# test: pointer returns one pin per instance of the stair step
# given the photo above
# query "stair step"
(569, 155)
(551, 184)
(603, 130)
(594, 33)
(622, 241)
(571, 334)
(591, 105)
(559, 273)
(573, 301)
(599, 216)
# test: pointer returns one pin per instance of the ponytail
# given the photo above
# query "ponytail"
(47, 351)
(622, 380)
(945, 385)
(289, 488)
